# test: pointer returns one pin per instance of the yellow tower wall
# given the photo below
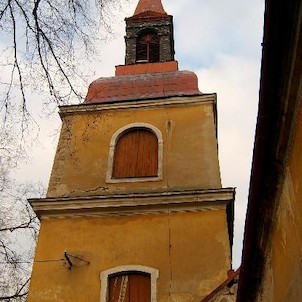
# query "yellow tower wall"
(176, 224)
(190, 250)
(190, 156)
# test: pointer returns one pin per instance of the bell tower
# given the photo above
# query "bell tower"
(149, 34)
(135, 209)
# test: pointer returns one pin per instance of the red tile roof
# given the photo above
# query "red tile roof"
(149, 6)
(142, 86)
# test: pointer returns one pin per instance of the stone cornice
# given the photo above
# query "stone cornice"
(130, 105)
(133, 204)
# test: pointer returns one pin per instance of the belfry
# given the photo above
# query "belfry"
(135, 210)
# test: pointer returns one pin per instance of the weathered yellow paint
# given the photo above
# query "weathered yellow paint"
(190, 251)
(283, 277)
(190, 158)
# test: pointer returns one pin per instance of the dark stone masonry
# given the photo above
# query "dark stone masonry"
(162, 26)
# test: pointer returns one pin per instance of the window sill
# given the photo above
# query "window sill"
(133, 179)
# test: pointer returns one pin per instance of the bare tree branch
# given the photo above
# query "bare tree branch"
(18, 232)
(44, 44)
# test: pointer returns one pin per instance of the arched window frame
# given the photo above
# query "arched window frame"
(113, 141)
(142, 33)
(154, 273)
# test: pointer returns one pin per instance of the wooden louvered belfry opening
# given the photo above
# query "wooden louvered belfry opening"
(130, 287)
(136, 154)
(147, 47)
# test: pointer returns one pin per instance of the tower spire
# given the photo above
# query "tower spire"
(150, 70)
(144, 6)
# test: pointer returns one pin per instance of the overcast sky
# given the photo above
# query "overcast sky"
(221, 42)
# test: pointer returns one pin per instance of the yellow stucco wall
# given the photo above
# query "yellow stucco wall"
(283, 277)
(190, 250)
(190, 157)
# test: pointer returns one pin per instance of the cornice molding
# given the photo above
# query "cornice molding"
(133, 204)
(130, 105)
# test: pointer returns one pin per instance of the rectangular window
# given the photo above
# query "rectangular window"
(130, 287)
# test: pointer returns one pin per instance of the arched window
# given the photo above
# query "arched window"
(136, 154)
(129, 287)
(129, 283)
(147, 47)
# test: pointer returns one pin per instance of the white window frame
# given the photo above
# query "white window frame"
(154, 273)
(113, 141)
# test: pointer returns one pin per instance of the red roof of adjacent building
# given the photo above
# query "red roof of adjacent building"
(232, 275)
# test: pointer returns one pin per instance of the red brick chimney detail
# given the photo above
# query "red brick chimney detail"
(146, 68)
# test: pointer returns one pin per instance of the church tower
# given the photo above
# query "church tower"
(135, 210)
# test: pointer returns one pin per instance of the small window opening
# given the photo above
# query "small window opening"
(147, 48)
(129, 287)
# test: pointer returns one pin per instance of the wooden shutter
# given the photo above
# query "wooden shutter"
(154, 49)
(130, 287)
(136, 155)
(147, 48)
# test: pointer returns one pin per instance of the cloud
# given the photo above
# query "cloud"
(236, 81)
(204, 27)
